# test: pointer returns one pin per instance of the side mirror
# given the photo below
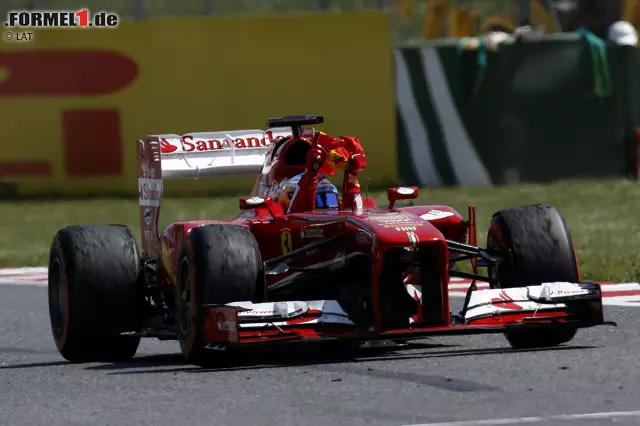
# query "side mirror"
(402, 193)
(251, 203)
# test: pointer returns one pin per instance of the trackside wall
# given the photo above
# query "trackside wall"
(73, 102)
(534, 112)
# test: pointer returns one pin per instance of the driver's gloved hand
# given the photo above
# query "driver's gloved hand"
(316, 157)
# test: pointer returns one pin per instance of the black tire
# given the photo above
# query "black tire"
(220, 264)
(538, 249)
(94, 293)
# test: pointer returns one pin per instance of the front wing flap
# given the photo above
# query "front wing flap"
(550, 305)
(581, 301)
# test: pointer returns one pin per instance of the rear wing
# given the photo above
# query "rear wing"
(205, 154)
(191, 156)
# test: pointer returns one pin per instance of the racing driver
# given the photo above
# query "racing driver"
(327, 155)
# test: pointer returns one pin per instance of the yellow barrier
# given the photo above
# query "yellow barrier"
(466, 23)
(74, 101)
(443, 19)
(631, 12)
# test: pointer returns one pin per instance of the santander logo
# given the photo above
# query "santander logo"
(166, 147)
(505, 301)
(189, 143)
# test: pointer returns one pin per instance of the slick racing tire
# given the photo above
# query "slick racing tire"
(538, 248)
(219, 264)
(94, 293)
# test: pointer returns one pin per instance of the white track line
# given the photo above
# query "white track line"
(524, 420)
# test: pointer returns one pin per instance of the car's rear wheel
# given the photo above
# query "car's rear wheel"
(539, 249)
(94, 293)
(220, 264)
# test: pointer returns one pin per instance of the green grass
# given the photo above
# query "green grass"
(603, 218)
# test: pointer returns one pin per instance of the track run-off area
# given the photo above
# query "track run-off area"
(456, 381)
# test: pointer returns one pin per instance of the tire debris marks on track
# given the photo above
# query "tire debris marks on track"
(623, 294)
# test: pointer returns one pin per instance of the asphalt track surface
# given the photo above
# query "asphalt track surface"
(435, 381)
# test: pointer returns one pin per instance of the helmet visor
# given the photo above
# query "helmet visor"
(326, 200)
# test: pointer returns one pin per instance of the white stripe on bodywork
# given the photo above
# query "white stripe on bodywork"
(417, 137)
(466, 163)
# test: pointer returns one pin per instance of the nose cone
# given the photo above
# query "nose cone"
(403, 228)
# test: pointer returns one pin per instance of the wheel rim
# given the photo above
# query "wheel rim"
(184, 298)
(58, 298)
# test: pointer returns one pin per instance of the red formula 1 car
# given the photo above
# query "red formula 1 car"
(300, 267)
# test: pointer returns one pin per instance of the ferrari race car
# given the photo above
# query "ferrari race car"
(342, 271)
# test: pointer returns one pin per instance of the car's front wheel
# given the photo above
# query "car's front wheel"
(539, 249)
(220, 264)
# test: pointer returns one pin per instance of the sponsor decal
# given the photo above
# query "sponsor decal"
(436, 214)
(403, 224)
(144, 170)
(221, 326)
(363, 237)
(313, 232)
(149, 237)
(505, 301)
(568, 292)
(147, 216)
(405, 191)
(406, 228)
(286, 241)
(253, 201)
(358, 201)
(559, 290)
(256, 312)
(223, 323)
(413, 238)
(390, 217)
(167, 147)
(190, 144)
(149, 192)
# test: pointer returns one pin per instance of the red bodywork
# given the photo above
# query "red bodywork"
(371, 230)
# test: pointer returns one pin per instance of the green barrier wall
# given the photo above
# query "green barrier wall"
(531, 114)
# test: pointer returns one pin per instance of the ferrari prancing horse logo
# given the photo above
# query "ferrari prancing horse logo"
(287, 245)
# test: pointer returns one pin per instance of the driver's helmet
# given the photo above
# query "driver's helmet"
(326, 193)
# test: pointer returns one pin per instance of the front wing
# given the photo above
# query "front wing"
(550, 305)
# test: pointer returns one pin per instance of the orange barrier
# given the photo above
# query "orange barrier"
(74, 101)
